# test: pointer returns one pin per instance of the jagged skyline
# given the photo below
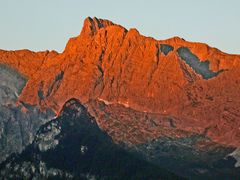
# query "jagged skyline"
(48, 24)
(171, 102)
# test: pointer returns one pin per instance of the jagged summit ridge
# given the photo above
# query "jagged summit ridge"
(93, 25)
(121, 66)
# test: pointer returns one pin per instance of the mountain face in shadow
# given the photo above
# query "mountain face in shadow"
(18, 123)
(72, 146)
(190, 155)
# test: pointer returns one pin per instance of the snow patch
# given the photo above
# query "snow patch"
(105, 101)
(125, 104)
(16, 94)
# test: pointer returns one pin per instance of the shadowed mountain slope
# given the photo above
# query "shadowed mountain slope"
(73, 147)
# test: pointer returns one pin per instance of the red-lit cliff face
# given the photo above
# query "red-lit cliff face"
(193, 82)
(25, 61)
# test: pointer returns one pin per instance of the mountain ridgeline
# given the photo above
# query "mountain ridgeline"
(169, 104)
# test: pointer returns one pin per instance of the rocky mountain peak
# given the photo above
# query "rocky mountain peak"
(144, 93)
(92, 25)
(118, 66)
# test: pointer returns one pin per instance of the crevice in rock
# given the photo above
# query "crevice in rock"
(56, 84)
(190, 76)
(40, 92)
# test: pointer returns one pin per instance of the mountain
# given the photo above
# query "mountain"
(18, 123)
(72, 146)
(172, 101)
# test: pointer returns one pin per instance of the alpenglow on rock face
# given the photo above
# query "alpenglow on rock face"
(143, 92)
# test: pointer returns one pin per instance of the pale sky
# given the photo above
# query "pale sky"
(48, 24)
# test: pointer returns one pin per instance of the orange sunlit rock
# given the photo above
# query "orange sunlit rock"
(120, 66)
